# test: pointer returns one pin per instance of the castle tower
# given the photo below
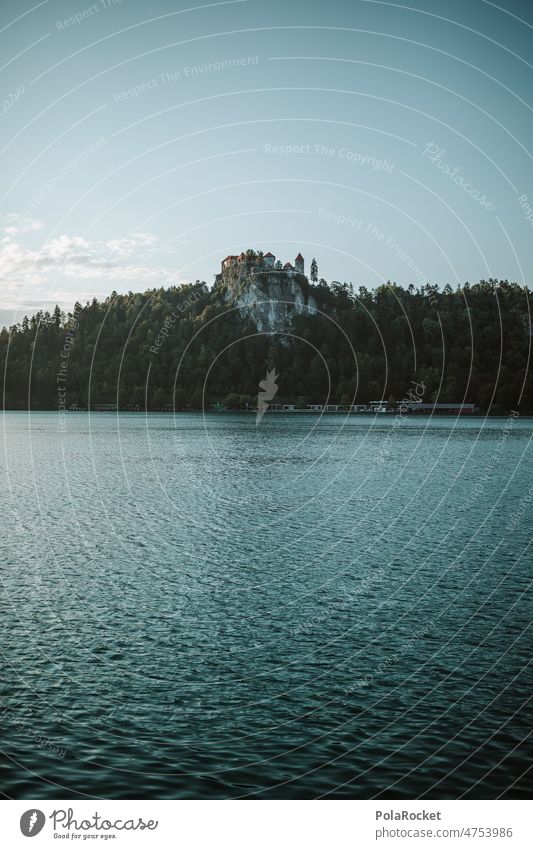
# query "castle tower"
(269, 260)
(227, 263)
(299, 264)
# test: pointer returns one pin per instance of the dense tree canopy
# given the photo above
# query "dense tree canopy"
(187, 348)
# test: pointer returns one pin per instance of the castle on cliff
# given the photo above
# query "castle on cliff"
(256, 263)
(264, 290)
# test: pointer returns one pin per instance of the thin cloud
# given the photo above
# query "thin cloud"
(17, 224)
(117, 259)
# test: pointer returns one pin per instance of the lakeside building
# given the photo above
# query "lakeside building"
(379, 406)
(458, 408)
(104, 408)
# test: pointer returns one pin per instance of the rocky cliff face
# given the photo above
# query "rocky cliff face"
(270, 298)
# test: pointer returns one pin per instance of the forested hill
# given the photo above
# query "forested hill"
(188, 348)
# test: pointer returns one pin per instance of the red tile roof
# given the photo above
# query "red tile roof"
(299, 256)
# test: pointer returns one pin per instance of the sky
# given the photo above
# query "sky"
(142, 142)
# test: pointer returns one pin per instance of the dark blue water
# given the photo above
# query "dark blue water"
(315, 607)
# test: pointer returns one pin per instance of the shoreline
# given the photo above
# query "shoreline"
(318, 413)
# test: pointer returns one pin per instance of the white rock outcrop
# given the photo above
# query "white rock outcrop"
(270, 298)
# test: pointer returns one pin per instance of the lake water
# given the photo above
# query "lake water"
(198, 608)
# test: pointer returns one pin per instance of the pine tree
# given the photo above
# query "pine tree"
(314, 271)
(58, 317)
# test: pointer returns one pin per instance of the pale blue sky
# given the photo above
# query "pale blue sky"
(142, 142)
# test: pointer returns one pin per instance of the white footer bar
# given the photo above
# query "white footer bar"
(267, 824)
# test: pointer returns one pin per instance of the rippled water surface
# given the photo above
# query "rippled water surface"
(196, 607)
